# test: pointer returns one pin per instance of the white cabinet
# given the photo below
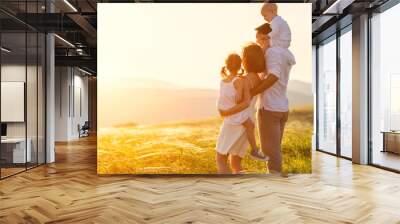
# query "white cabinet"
(19, 155)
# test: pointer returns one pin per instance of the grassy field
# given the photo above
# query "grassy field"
(189, 147)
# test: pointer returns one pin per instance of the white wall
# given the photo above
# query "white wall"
(62, 81)
(71, 87)
(81, 103)
(12, 73)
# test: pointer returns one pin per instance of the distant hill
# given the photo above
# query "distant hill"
(143, 83)
(299, 93)
(300, 87)
(166, 103)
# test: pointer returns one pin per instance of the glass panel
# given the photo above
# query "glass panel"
(385, 86)
(23, 90)
(31, 100)
(41, 99)
(346, 94)
(327, 96)
(31, 88)
(394, 102)
(13, 86)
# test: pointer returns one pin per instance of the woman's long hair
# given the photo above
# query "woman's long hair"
(253, 58)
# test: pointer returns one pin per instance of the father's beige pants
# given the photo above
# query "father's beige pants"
(271, 125)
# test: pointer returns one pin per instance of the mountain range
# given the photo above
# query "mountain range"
(151, 102)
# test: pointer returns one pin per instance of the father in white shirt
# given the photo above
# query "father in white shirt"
(273, 109)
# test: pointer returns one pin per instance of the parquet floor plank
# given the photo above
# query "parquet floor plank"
(70, 191)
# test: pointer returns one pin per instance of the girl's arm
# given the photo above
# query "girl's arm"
(243, 85)
(239, 86)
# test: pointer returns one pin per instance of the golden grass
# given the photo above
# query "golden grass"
(189, 147)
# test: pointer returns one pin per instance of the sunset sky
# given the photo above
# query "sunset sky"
(186, 44)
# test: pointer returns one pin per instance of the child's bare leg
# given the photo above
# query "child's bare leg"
(251, 137)
(236, 164)
(222, 164)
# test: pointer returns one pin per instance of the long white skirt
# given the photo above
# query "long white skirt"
(232, 140)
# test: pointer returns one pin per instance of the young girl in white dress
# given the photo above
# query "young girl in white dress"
(235, 89)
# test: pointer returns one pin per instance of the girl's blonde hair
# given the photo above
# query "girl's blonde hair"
(233, 63)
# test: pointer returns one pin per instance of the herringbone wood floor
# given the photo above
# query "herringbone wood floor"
(69, 191)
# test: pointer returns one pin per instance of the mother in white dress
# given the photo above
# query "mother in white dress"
(232, 140)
